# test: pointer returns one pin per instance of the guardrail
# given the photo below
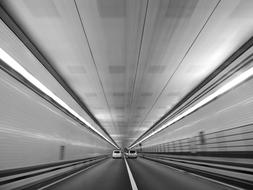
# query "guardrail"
(233, 142)
(237, 173)
(35, 176)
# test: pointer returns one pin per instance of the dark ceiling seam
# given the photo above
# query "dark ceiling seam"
(19, 32)
(93, 60)
(177, 105)
(139, 53)
(138, 60)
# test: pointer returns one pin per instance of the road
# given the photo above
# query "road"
(111, 175)
(148, 175)
(151, 175)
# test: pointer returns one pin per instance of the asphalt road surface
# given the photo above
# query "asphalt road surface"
(111, 175)
(151, 175)
(148, 175)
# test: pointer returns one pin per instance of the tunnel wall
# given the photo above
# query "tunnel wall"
(32, 131)
(224, 125)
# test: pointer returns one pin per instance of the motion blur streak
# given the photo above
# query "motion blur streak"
(231, 84)
(40, 136)
(18, 68)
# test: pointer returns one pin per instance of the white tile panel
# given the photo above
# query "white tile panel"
(182, 42)
(32, 130)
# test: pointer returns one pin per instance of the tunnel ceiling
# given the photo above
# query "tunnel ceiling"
(131, 61)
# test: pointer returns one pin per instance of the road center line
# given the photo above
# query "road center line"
(133, 184)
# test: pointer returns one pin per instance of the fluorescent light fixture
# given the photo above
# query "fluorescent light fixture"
(22, 71)
(231, 84)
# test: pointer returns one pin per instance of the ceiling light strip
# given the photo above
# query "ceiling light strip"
(24, 73)
(245, 47)
(12, 25)
(225, 88)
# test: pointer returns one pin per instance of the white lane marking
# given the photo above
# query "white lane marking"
(133, 184)
(67, 177)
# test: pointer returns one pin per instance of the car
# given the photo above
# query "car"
(126, 154)
(116, 154)
(131, 154)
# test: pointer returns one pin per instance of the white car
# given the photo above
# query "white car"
(116, 154)
(131, 154)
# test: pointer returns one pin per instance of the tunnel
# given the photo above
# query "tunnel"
(126, 94)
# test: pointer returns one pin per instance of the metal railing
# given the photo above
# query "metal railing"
(237, 141)
(57, 170)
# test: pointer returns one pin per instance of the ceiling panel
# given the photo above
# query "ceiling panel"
(114, 33)
(131, 61)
